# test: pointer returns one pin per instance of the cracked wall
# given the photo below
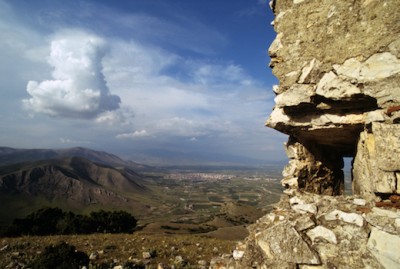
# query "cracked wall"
(338, 65)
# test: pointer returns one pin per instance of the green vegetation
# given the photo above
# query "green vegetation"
(51, 221)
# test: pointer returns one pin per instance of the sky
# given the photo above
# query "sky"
(154, 81)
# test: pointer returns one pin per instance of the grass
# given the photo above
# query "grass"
(119, 249)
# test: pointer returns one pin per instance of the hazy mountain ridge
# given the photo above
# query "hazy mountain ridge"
(13, 155)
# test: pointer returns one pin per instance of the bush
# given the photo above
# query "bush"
(51, 221)
(113, 222)
(61, 256)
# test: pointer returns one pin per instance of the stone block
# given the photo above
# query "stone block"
(321, 233)
(387, 144)
(351, 218)
(283, 242)
(385, 248)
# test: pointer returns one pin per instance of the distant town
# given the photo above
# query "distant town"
(214, 177)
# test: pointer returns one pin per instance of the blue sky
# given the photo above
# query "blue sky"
(156, 81)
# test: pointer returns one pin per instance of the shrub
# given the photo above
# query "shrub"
(50, 221)
(61, 256)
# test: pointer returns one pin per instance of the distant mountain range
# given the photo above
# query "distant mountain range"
(74, 179)
(13, 155)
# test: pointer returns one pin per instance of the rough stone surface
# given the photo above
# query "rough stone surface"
(288, 239)
(338, 65)
(322, 233)
(351, 218)
(339, 71)
(383, 246)
(377, 160)
(289, 246)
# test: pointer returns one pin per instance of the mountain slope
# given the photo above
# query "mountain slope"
(75, 183)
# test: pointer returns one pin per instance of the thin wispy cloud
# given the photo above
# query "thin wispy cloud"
(133, 135)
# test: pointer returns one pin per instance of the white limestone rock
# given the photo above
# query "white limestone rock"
(275, 46)
(310, 72)
(384, 219)
(303, 223)
(352, 218)
(387, 144)
(375, 116)
(305, 208)
(377, 160)
(296, 201)
(320, 232)
(290, 182)
(238, 254)
(359, 201)
(295, 95)
(397, 223)
(335, 88)
(277, 116)
(283, 242)
(376, 67)
(385, 247)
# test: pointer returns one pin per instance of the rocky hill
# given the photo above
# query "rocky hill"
(338, 64)
(73, 183)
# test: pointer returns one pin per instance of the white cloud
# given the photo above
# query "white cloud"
(219, 73)
(78, 88)
(64, 140)
(135, 134)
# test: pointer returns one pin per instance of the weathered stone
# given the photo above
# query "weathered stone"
(146, 255)
(94, 256)
(305, 208)
(283, 242)
(394, 48)
(303, 223)
(387, 144)
(297, 94)
(332, 87)
(320, 232)
(351, 218)
(385, 247)
(310, 73)
(275, 46)
(378, 66)
(377, 160)
(338, 65)
(291, 168)
(385, 220)
(296, 201)
(178, 260)
(238, 254)
(359, 201)
(375, 116)
(290, 182)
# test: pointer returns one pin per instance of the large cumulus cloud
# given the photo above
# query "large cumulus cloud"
(78, 88)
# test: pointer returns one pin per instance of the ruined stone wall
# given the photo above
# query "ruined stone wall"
(338, 65)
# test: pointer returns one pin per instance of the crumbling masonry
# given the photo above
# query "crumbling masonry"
(338, 65)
